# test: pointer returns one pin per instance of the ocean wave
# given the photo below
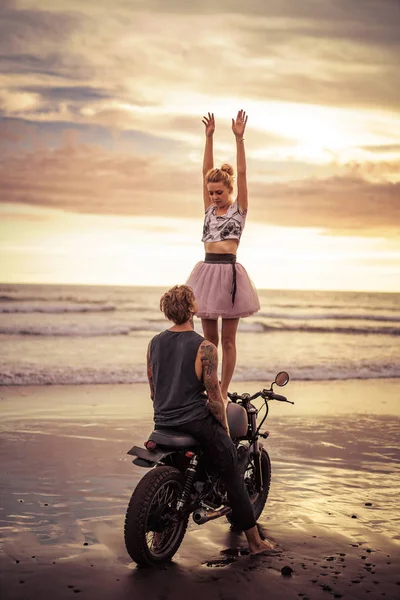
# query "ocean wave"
(319, 372)
(55, 308)
(32, 375)
(260, 327)
(48, 294)
(332, 316)
(93, 329)
(79, 330)
(10, 304)
(389, 306)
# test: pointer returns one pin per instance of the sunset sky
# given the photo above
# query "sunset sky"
(101, 139)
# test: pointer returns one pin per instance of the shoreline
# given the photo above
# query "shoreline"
(329, 397)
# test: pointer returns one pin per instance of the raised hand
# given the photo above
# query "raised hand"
(239, 125)
(209, 123)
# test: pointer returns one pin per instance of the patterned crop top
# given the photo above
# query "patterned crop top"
(225, 227)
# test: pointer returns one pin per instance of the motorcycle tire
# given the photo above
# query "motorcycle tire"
(153, 529)
(258, 499)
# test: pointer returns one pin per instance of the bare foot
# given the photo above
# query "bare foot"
(256, 544)
(263, 547)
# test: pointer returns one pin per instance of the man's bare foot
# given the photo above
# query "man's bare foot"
(256, 544)
(264, 547)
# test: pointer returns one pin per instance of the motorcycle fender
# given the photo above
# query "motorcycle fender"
(146, 458)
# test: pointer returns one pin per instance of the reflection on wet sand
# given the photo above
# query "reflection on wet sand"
(332, 510)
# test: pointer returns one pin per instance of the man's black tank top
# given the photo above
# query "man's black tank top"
(178, 393)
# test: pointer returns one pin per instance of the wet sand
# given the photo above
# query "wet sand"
(332, 510)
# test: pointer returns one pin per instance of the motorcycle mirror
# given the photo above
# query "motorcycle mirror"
(281, 378)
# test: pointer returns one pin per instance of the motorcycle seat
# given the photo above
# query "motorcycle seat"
(173, 439)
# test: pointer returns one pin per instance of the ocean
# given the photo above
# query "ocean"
(64, 334)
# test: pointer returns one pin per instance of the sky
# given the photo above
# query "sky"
(101, 139)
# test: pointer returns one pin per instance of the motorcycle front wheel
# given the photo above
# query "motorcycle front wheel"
(154, 529)
(257, 498)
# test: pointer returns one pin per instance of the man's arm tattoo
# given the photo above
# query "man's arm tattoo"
(150, 373)
(209, 360)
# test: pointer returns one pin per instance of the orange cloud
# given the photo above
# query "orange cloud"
(346, 205)
(88, 179)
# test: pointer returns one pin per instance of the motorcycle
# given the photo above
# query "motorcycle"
(180, 483)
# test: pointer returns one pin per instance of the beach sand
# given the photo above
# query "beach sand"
(332, 510)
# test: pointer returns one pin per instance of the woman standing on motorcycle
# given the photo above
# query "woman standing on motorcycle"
(181, 366)
(221, 286)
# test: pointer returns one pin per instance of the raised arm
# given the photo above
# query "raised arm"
(209, 360)
(208, 160)
(238, 128)
(150, 373)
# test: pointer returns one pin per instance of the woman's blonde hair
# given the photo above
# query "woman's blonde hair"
(177, 304)
(224, 174)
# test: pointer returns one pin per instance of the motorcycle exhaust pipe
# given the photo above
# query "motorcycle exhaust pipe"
(201, 515)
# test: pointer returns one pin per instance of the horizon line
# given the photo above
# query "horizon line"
(129, 285)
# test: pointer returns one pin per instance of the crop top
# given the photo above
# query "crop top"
(224, 227)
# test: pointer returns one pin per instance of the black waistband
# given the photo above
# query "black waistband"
(220, 258)
(224, 259)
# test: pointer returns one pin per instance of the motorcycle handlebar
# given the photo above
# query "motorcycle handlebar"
(235, 396)
(266, 394)
(280, 398)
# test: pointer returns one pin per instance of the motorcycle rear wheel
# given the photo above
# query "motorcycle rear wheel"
(153, 529)
(258, 499)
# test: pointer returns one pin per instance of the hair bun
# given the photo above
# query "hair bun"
(228, 169)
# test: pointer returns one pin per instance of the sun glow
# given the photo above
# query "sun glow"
(316, 133)
(52, 246)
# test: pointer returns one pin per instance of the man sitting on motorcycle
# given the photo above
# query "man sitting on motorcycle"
(181, 367)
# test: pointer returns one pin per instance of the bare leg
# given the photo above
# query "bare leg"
(256, 544)
(228, 334)
(210, 330)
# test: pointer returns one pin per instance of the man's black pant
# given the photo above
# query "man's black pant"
(221, 452)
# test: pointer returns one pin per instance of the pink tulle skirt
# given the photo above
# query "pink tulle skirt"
(212, 286)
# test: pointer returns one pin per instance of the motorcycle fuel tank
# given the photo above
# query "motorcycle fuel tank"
(237, 420)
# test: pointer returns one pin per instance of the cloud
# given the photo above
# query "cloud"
(40, 42)
(343, 205)
(146, 133)
(382, 171)
(89, 179)
(341, 11)
(70, 93)
(311, 52)
(20, 29)
(18, 101)
(382, 148)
